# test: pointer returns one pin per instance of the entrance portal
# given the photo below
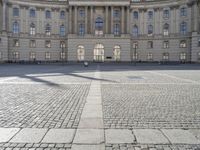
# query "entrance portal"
(99, 53)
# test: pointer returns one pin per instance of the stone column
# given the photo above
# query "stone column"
(111, 24)
(70, 20)
(128, 20)
(195, 29)
(91, 20)
(122, 20)
(75, 20)
(107, 20)
(4, 15)
(86, 20)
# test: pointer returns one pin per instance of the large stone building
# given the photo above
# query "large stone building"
(100, 30)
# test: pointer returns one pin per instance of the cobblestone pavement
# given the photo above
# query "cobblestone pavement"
(151, 97)
(132, 97)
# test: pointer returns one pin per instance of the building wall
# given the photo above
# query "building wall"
(104, 9)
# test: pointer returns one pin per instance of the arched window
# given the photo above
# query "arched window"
(135, 31)
(48, 14)
(99, 53)
(150, 30)
(166, 29)
(16, 27)
(81, 53)
(150, 15)
(16, 12)
(32, 13)
(81, 29)
(62, 30)
(183, 44)
(116, 29)
(62, 15)
(117, 53)
(135, 15)
(99, 26)
(32, 29)
(166, 14)
(48, 30)
(183, 28)
(183, 11)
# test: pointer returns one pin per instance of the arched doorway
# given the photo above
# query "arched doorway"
(99, 53)
(81, 53)
(117, 53)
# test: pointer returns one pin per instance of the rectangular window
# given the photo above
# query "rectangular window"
(150, 56)
(183, 56)
(62, 44)
(135, 45)
(150, 44)
(15, 43)
(16, 12)
(183, 44)
(32, 43)
(199, 43)
(32, 56)
(47, 55)
(62, 55)
(165, 56)
(166, 44)
(48, 44)
(15, 55)
(82, 13)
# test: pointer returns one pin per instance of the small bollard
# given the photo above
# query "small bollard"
(85, 64)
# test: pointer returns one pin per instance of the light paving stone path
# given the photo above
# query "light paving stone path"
(59, 136)
(29, 135)
(150, 136)
(7, 133)
(119, 136)
(177, 136)
(90, 132)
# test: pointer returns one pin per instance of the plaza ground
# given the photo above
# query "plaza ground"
(100, 107)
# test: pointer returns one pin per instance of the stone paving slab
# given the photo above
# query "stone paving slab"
(119, 136)
(178, 136)
(150, 136)
(7, 133)
(29, 135)
(59, 136)
(89, 136)
(88, 147)
(91, 123)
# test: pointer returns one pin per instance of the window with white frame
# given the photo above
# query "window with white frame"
(32, 55)
(116, 29)
(48, 29)
(135, 56)
(117, 53)
(62, 30)
(16, 43)
(135, 44)
(150, 30)
(80, 53)
(48, 44)
(183, 56)
(166, 29)
(47, 55)
(15, 55)
(32, 43)
(166, 44)
(149, 56)
(81, 29)
(62, 44)
(165, 56)
(183, 44)
(62, 55)
(32, 29)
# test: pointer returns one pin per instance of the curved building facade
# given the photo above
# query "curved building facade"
(100, 30)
